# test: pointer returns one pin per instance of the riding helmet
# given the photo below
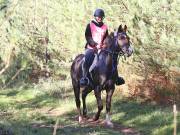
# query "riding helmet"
(99, 13)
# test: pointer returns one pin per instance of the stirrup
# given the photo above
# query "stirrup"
(86, 78)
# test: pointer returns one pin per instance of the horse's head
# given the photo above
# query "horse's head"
(123, 41)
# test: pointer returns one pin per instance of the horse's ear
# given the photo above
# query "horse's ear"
(120, 29)
(125, 28)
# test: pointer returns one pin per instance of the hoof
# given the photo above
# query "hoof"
(80, 119)
(90, 120)
(86, 117)
(109, 124)
(95, 119)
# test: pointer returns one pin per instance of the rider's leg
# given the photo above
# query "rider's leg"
(89, 56)
(94, 62)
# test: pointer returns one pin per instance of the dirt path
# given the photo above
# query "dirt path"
(89, 123)
(86, 122)
(117, 127)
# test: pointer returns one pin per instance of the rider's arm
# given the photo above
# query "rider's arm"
(88, 36)
(106, 34)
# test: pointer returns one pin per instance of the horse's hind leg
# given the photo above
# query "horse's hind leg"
(97, 92)
(77, 99)
(85, 92)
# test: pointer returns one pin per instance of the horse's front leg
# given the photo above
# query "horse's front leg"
(97, 93)
(108, 106)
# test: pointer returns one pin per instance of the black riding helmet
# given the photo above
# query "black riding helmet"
(99, 13)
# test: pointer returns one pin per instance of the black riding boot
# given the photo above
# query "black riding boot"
(119, 80)
(84, 81)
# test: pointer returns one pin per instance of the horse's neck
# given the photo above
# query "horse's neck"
(106, 55)
(105, 58)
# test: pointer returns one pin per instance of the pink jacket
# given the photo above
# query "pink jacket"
(97, 34)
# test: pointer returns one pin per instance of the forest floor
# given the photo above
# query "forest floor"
(29, 111)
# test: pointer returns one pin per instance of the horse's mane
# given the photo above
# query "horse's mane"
(109, 40)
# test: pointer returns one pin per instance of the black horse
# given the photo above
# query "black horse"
(102, 76)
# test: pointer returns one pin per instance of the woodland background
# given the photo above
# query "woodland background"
(40, 39)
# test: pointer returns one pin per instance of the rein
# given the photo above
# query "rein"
(120, 53)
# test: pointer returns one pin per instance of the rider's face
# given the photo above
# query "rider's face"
(99, 19)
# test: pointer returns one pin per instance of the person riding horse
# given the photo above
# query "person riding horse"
(102, 77)
(95, 34)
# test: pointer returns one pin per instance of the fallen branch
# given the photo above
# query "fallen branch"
(175, 119)
(4, 69)
(8, 62)
(56, 126)
(17, 73)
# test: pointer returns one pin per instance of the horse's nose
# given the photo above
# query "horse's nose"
(124, 49)
(130, 51)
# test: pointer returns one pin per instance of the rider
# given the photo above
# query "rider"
(96, 32)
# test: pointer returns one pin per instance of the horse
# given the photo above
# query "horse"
(102, 76)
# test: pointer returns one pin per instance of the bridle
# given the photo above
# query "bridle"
(113, 52)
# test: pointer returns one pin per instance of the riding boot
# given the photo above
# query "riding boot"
(119, 80)
(84, 81)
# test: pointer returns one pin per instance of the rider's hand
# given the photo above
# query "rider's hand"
(95, 49)
(103, 46)
(95, 44)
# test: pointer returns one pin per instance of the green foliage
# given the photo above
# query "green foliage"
(152, 27)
